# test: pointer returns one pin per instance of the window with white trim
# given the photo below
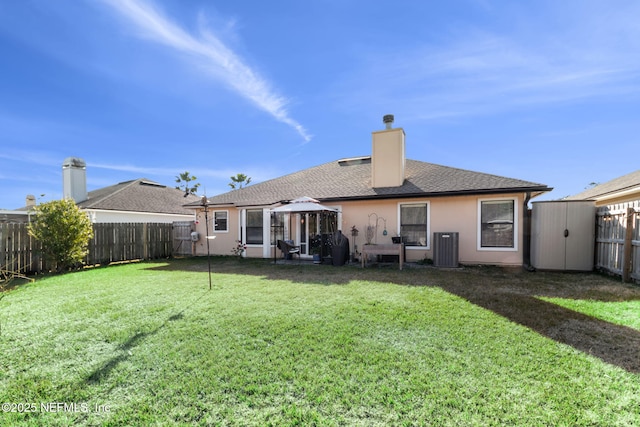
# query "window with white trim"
(254, 227)
(414, 227)
(497, 224)
(221, 221)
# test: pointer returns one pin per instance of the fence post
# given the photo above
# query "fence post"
(628, 235)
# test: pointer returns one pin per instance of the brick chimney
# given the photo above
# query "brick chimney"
(74, 179)
(387, 155)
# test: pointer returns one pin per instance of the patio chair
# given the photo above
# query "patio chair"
(288, 248)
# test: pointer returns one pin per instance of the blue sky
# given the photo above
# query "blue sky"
(545, 91)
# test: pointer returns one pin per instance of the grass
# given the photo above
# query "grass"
(318, 345)
(625, 313)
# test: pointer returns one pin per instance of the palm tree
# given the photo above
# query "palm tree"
(239, 181)
(184, 180)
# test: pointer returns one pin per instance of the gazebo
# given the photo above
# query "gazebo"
(304, 205)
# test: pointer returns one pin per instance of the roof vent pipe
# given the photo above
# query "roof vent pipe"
(388, 120)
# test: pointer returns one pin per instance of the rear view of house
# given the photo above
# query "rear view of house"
(383, 196)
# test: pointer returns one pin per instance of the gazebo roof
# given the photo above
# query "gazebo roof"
(303, 204)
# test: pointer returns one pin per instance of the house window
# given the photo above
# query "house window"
(498, 225)
(254, 227)
(220, 221)
(414, 224)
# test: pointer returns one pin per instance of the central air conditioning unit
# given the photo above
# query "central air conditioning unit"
(445, 249)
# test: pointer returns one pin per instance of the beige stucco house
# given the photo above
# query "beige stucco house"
(385, 192)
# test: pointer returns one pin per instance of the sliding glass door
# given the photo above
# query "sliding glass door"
(309, 228)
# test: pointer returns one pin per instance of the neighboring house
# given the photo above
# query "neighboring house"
(620, 190)
(392, 195)
(19, 215)
(139, 200)
(7, 216)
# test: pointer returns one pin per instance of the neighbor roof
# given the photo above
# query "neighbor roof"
(350, 179)
(627, 183)
(140, 195)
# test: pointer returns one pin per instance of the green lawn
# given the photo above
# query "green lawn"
(314, 345)
(626, 313)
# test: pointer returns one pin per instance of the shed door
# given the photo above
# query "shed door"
(580, 241)
(550, 222)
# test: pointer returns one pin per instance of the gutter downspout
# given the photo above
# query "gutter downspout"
(526, 227)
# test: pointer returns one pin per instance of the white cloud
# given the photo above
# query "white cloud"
(130, 168)
(483, 71)
(257, 174)
(504, 74)
(21, 157)
(212, 55)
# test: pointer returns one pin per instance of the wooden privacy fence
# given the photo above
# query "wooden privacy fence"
(618, 239)
(112, 242)
(19, 252)
(129, 241)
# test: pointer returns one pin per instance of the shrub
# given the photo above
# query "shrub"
(64, 231)
(239, 249)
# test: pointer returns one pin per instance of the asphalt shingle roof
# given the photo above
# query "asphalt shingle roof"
(625, 182)
(350, 179)
(140, 195)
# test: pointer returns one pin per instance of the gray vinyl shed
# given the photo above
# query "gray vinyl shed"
(563, 235)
